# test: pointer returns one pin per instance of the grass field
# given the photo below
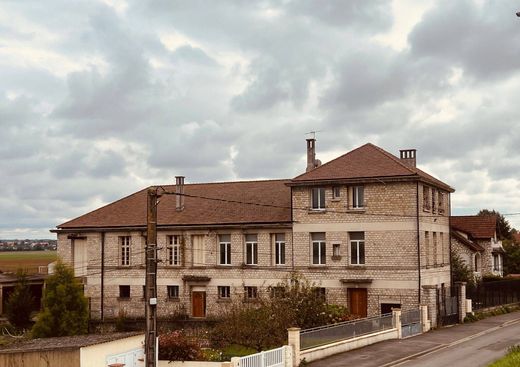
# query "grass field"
(10, 261)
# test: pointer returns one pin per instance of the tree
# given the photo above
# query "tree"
(65, 308)
(504, 230)
(20, 302)
(511, 257)
(460, 270)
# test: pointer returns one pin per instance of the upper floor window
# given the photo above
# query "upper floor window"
(426, 198)
(318, 198)
(318, 249)
(225, 249)
(251, 249)
(336, 192)
(434, 195)
(279, 249)
(336, 250)
(173, 251)
(357, 248)
(441, 202)
(358, 197)
(124, 242)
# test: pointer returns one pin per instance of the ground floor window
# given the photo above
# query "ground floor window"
(173, 291)
(224, 292)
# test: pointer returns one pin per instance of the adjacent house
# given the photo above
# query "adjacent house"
(474, 239)
(370, 229)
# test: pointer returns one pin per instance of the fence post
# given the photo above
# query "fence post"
(396, 322)
(461, 291)
(287, 350)
(235, 361)
(425, 323)
(293, 334)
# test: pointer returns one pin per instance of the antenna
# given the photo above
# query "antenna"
(313, 133)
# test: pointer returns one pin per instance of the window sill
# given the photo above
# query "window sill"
(356, 210)
(317, 211)
(249, 266)
(336, 258)
(223, 266)
(124, 299)
(177, 299)
(335, 200)
(224, 300)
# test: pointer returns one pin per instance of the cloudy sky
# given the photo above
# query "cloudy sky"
(101, 98)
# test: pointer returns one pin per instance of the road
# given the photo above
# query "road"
(478, 351)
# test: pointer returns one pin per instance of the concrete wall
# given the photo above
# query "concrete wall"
(96, 355)
(344, 346)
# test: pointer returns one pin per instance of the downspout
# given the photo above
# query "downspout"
(102, 276)
(418, 242)
(449, 237)
(292, 231)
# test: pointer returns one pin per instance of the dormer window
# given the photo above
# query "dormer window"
(318, 198)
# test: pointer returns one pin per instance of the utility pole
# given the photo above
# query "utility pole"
(150, 343)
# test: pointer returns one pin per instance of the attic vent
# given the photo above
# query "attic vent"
(408, 157)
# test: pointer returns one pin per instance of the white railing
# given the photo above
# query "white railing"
(270, 358)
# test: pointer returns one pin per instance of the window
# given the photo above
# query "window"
(124, 242)
(225, 249)
(173, 291)
(441, 245)
(426, 198)
(357, 248)
(335, 250)
(441, 202)
(428, 248)
(434, 194)
(251, 292)
(435, 248)
(358, 197)
(336, 192)
(173, 251)
(320, 293)
(318, 248)
(318, 198)
(224, 291)
(279, 249)
(124, 291)
(496, 262)
(251, 249)
(144, 291)
(277, 292)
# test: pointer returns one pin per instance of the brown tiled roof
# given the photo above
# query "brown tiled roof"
(64, 342)
(465, 241)
(365, 162)
(477, 226)
(273, 197)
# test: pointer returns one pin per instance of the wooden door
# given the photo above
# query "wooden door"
(198, 301)
(358, 301)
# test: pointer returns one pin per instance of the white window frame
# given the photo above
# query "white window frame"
(321, 195)
(279, 250)
(198, 253)
(251, 251)
(224, 291)
(355, 251)
(356, 204)
(224, 248)
(321, 245)
(173, 251)
(176, 291)
(125, 246)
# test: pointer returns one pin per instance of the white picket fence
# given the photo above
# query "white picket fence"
(270, 358)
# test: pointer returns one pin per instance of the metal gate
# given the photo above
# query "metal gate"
(447, 307)
(411, 322)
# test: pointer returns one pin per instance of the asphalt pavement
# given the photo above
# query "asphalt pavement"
(438, 344)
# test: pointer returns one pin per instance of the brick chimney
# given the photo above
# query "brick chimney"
(179, 189)
(408, 157)
(312, 162)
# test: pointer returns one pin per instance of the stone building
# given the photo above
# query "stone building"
(474, 239)
(371, 230)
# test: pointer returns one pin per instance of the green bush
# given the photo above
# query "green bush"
(176, 346)
(20, 302)
(511, 359)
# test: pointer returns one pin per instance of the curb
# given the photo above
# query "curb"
(444, 346)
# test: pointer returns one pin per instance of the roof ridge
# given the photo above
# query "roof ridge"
(332, 160)
(228, 182)
(393, 157)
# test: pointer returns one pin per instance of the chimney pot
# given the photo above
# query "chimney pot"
(408, 157)
(179, 191)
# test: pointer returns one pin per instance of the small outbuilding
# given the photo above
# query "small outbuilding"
(93, 350)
